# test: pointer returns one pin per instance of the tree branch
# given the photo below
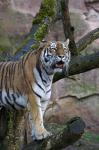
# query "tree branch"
(63, 135)
(87, 39)
(80, 64)
(39, 28)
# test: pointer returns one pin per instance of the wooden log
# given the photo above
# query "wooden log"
(63, 136)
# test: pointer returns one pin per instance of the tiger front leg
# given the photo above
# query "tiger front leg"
(38, 130)
(44, 103)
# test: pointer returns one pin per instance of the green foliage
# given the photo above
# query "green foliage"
(91, 137)
(47, 10)
(39, 35)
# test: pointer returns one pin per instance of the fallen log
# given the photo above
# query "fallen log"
(62, 135)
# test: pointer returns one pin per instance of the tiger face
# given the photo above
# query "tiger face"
(56, 56)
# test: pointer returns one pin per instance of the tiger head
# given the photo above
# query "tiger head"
(56, 56)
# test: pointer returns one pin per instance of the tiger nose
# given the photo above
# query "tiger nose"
(61, 56)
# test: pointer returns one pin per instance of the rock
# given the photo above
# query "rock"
(91, 1)
(77, 5)
(26, 7)
(65, 108)
(15, 22)
(92, 15)
(77, 20)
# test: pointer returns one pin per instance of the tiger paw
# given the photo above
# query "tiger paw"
(42, 135)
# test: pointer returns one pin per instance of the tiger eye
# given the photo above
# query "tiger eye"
(53, 51)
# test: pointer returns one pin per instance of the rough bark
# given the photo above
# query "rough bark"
(16, 128)
(63, 135)
(12, 129)
(87, 39)
(80, 64)
(68, 28)
(3, 124)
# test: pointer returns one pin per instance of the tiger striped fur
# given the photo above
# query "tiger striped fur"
(29, 81)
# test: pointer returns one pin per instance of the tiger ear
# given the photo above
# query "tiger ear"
(67, 42)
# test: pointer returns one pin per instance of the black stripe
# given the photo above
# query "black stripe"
(36, 94)
(14, 98)
(19, 105)
(6, 78)
(2, 77)
(40, 74)
(43, 101)
(40, 86)
(24, 75)
(9, 72)
(44, 51)
(48, 85)
(18, 92)
(8, 94)
(48, 91)
(2, 74)
(34, 91)
(14, 69)
(46, 55)
(11, 75)
(9, 97)
(7, 101)
(46, 71)
(18, 66)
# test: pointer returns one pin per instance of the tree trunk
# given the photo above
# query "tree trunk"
(68, 28)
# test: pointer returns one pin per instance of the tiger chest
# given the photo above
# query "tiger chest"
(43, 92)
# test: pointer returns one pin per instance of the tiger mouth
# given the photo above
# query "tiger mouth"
(59, 64)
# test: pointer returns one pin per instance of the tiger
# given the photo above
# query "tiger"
(29, 81)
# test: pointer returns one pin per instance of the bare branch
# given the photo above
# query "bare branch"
(80, 64)
(87, 39)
